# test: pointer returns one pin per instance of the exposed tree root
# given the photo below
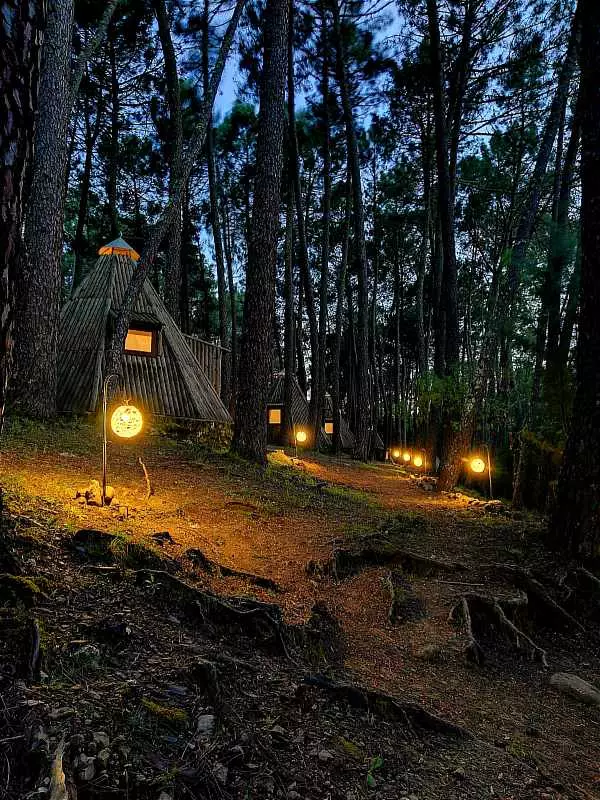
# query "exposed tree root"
(405, 606)
(384, 705)
(539, 596)
(214, 568)
(345, 562)
(483, 613)
(319, 639)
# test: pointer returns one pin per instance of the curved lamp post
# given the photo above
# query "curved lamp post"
(126, 422)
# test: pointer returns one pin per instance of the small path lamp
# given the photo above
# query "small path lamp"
(478, 466)
(420, 459)
(126, 422)
(406, 457)
(395, 453)
(300, 439)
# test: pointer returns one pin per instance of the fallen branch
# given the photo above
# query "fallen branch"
(149, 488)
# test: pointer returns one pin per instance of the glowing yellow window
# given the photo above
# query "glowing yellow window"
(274, 416)
(140, 341)
(329, 427)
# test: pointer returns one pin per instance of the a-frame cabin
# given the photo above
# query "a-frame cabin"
(160, 372)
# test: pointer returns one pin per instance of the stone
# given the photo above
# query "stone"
(221, 773)
(278, 731)
(325, 756)
(205, 725)
(101, 739)
(102, 759)
(86, 769)
(574, 686)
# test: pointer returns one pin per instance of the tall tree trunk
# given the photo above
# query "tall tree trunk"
(530, 210)
(305, 275)
(288, 296)
(233, 360)
(575, 525)
(172, 277)
(91, 136)
(339, 323)
(363, 410)
(113, 158)
(22, 29)
(445, 195)
(36, 348)
(300, 362)
(326, 155)
(174, 204)
(216, 226)
(250, 431)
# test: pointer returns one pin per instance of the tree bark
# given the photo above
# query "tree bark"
(575, 525)
(288, 297)
(91, 136)
(362, 411)
(172, 277)
(339, 322)
(250, 431)
(305, 275)
(22, 27)
(37, 345)
(113, 157)
(445, 195)
(216, 226)
(326, 219)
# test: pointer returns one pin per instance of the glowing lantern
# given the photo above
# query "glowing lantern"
(301, 437)
(406, 456)
(396, 453)
(477, 465)
(329, 428)
(418, 461)
(126, 421)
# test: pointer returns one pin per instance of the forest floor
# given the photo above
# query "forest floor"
(179, 652)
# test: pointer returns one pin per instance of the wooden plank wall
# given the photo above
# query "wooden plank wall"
(209, 356)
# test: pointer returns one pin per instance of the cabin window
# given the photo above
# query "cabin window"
(141, 342)
(274, 416)
(329, 427)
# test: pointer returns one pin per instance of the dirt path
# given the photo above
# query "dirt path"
(258, 524)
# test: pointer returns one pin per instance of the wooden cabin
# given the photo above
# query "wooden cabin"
(160, 372)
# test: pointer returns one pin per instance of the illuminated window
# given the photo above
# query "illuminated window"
(329, 427)
(274, 416)
(140, 342)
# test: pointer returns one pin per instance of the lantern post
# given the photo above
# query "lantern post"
(126, 422)
(107, 380)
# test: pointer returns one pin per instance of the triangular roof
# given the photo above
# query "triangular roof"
(300, 407)
(119, 247)
(172, 383)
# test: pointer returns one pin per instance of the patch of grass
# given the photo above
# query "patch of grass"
(17, 590)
